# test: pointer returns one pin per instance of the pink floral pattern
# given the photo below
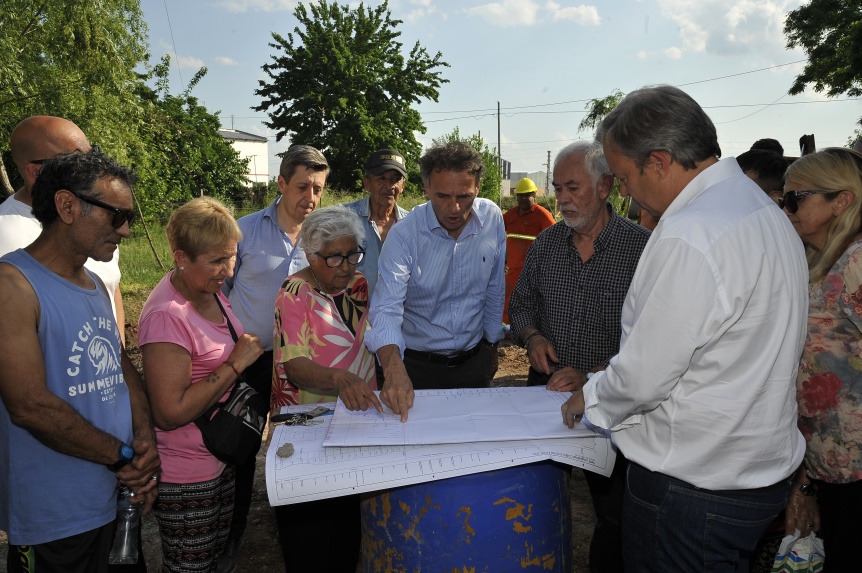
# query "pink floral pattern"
(329, 330)
(829, 385)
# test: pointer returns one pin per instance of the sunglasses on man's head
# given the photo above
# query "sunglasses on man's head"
(93, 149)
(790, 200)
(120, 215)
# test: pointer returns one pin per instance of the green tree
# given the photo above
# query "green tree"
(830, 32)
(187, 155)
(598, 108)
(341, 83)
(76, 60)
(493, 178)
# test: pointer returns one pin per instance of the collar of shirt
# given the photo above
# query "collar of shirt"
(479, 216)
(364, 210)
(712, 175)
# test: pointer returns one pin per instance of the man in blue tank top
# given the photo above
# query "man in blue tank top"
(74, 418)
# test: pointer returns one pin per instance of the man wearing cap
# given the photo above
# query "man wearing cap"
(523, 223)
(384, 181)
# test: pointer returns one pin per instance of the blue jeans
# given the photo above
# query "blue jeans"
(671, 526)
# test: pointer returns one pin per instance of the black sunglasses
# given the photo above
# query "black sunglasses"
(93, 149)
(333, 261)
(120, 215)
(790, 200)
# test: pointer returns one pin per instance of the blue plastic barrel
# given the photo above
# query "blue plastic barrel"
(516, 519)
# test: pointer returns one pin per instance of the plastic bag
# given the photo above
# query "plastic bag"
(799, 554)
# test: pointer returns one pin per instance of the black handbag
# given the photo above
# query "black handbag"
(232, 430)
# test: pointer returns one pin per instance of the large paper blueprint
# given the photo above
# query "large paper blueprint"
(318, 472)
(458, 416)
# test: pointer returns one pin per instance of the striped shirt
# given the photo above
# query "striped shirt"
(439, 294)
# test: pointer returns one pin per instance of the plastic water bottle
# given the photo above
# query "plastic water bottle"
(125, 549)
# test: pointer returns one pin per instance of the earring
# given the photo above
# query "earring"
(182, 268)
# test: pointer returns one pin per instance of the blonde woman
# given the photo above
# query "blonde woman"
(823, 199)
(191, 361)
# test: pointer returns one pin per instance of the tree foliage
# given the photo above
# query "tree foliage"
(76, 60)
(493, 178)
(187, 155)
(341, 83)
(598, 108)
(830, 32)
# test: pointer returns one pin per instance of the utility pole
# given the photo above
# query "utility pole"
(548, 175)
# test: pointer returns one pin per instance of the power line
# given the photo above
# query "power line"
(176, 55)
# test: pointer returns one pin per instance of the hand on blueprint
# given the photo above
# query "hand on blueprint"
(397, 391)
(573, 409)
(566, 380)
(354, 392)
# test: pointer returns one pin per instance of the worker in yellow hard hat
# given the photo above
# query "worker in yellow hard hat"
(523, 223)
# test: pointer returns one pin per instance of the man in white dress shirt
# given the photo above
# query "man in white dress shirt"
(701, 397)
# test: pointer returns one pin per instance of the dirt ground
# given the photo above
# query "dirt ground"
(261, 553)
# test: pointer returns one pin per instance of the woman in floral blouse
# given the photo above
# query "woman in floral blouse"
(823, 199)
(320, 356)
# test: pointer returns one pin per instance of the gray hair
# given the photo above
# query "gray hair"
(329, 224)
(594, 158)
(302, 155)
(660, 118)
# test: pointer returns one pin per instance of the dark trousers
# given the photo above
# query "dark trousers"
(475, 373)
(259, 377)
(82, 553)
(606, 547)
(840, 508)
(322, 535)
(670, 526)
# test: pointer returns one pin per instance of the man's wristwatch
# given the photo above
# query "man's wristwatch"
(126, 454)
(806, 489)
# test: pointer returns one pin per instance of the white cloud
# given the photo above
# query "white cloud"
(189, 62)
(641, 55)
(672, 53)
(583, 15)
(507, 13)
(258, 5)
(728, 26)
(225, 61)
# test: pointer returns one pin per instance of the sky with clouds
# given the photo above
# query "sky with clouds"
(541, 60)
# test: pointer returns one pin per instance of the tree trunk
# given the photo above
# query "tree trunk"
(4, 182)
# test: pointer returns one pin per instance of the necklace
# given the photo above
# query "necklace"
(320, 288)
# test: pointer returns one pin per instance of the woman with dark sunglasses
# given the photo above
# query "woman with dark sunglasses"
(823, 199)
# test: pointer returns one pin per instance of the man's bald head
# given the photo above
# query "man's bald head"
(43, 137)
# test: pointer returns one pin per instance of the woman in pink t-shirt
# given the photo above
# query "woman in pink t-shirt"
(190, 363)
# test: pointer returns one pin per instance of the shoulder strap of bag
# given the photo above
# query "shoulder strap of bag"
(202, 420)
(229, 325)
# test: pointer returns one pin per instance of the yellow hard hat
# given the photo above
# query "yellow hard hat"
(525, 185)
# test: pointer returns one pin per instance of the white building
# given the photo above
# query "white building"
(255, 148)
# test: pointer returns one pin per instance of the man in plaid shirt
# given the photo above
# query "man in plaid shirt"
(566, 306)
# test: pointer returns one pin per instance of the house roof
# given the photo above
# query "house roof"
(238, 135)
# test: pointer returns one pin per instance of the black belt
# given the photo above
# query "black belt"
(453, 360)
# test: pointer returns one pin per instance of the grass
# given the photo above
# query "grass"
(142, 271)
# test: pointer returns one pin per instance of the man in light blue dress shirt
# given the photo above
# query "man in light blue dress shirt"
(267, 254)
(436, 314)
(384, 182)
